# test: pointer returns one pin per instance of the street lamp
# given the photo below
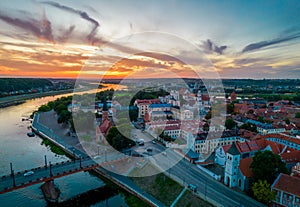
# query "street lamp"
(11, 169)
(13, 177)
(46, 161)
(50, 168)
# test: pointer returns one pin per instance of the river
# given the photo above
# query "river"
(27, 152)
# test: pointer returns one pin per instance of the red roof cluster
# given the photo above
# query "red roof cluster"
(291, 157)
(288, 184)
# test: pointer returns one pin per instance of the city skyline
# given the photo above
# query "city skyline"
(256, 39)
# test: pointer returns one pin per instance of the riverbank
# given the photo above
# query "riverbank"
(71, 145)
(19, 99)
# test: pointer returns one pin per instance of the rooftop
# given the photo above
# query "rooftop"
(245, 167)
(287, 184)
(233, 150)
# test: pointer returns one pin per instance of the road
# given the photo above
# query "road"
(187, 173)
(178, 168)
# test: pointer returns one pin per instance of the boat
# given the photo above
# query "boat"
(30, 134)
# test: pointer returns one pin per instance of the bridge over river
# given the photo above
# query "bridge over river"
(16, 180)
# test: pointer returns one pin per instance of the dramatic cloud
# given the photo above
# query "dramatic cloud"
(211, 47)
(41, 30)
(91, 36)
(262, 44)
(66, 34)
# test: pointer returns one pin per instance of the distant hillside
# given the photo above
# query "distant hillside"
(11, 86)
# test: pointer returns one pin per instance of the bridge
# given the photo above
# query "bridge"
(17, 180)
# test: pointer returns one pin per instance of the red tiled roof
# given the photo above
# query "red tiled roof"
(205, 97)
(105, 125)
(243, 147)
(172, 127)
(226, 148)
(291, 157)
(245, 167)
(253, 146)
(147, 101)
(275, 147)
(287, 184)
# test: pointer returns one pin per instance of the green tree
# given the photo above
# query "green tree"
(64, 117)
(60, 107)
(230, 123)
(250, 127)
(262, 191)
(261, 119)
(266, 166)
(208, 115)
(206, 127)
(44, 108)
(230, 108)
(117, 140)
(287, 121)
(297, 115)
(250, 111)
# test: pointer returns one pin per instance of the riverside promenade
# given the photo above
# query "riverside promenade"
(45, 125)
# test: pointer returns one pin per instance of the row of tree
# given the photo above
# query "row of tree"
(266, 166)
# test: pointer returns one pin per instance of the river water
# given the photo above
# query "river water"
(27, 152)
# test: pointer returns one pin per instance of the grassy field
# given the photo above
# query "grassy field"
(164, 188)
(190, 200)
(160, 186)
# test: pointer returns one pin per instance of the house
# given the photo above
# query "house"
(172, 131)
(159, 111)
(143, 105)
(246, 149)
(290, 158)
(104, 126)
(287, 191)
(215, 140)
(289, 141)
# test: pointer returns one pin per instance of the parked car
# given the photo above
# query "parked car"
(153, 142)
(28, 173)
(192, 187)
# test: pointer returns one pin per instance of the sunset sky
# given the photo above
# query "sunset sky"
(237, 39)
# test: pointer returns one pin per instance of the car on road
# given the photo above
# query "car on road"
(153, 142)
(140, 142)
(149, 150)
(28, 173)
(192, 187)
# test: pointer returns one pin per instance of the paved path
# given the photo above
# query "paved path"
(178, 197)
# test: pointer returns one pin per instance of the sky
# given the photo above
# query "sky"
(146, 39)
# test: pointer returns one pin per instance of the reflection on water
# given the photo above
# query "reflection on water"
(27, 152)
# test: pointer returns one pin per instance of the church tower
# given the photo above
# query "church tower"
(233, 157)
